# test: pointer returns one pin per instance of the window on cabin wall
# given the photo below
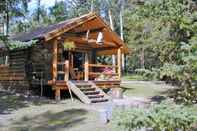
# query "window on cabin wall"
(4, 59)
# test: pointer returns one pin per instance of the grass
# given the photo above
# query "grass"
(144, 89)
(74, 116)
(132, 77)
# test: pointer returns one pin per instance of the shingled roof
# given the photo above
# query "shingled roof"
(51, 31)
(41, 32)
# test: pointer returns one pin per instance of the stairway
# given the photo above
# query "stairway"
(88, 92)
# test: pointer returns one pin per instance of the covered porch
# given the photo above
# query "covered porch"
(75, 53)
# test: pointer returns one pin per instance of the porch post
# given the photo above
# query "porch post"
(119, 62)
(54, 61)
(114, 62)
(54, 69)
(66, 70)
(86, 67)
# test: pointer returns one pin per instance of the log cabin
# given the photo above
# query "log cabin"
(64, 58)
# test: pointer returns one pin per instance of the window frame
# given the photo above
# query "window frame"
(5, 56)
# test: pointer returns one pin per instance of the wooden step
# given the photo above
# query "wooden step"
(95, 96)
(87, 92)
(91, 92)
(96, 100)
(87, 89)
(83, 85)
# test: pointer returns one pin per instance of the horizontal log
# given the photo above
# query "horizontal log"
(17, 67)
(99, 65)
(3, 67)
(12, 75)
(11, 78)
(18, 60)
(98, 73)
(11, 71)
(15, 53)
(17, 56)
(8, 83)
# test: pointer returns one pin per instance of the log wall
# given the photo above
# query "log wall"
(19, 77)
(13, 76)
(41, 57)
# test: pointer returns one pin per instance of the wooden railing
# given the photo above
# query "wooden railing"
(95, 74)
(65, 69)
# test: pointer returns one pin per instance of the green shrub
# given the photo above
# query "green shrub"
(148, 74)
(162, 117)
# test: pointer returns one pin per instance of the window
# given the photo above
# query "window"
(4, 59)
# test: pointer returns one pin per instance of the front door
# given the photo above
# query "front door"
(77, 65)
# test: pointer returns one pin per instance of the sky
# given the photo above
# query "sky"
(46, 3)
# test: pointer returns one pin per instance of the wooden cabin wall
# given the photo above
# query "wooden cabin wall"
(13, 76)
(41, 58)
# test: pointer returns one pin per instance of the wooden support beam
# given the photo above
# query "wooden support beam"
(54, 69)
(91, 42)
(82, 33)
(86, 67)
(57, 94)
(119, 62)
(109, 51)
(54, 60)
(66, 70)
(123, 62)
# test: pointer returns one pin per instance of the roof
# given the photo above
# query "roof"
(49, 32)
(41, 32)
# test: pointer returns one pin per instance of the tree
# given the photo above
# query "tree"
(164, 28)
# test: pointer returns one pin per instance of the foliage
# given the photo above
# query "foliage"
(69, 45)
(166, 30)
(162, 33)
(149, 74)
(12, 45)
(162, 117)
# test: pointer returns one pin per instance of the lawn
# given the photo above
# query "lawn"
(145, 89)
(132, 77)
(25, 114)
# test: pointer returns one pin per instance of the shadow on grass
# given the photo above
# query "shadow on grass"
(11, 101)
(163, 95)
(124, 88)
(158, 98)
(50, 121)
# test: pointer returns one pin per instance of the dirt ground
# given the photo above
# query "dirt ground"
(19, 113)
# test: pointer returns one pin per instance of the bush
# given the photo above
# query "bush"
(162, 117)
(148, 74)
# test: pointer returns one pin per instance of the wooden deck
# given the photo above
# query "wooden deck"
(102, 84)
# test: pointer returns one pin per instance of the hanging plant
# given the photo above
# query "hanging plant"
(68, 45)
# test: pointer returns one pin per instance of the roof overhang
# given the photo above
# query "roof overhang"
(79, 26)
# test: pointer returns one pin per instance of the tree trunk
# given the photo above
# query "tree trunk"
(142, 62)
(121, 31)
(112, 27)
(38, 11)
(92, 5)
(121, 20)
(111, 19)
(6, 23)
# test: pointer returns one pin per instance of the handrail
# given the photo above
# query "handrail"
(100, 65)
(61, 63)
(98, 73)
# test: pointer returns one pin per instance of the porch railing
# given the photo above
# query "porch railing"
(103, 72)
(64, 69)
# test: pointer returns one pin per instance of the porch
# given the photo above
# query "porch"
(75, 51)
(80, 66)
